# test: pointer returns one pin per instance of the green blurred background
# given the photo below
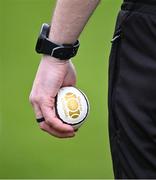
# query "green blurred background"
(25, 151)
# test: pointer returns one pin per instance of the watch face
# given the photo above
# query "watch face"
(43, 35)
(45, 30)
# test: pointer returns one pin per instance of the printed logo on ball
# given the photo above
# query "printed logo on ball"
(71, 105)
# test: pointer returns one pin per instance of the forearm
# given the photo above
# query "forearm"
(69, 19)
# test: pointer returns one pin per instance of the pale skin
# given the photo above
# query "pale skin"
(69, 19)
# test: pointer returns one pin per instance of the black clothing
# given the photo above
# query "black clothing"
(132, 91)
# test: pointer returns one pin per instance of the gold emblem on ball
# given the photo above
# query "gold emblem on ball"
(72, 105)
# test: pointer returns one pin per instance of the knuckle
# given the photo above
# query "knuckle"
(42, 126)
(34, 99)
(48, 121)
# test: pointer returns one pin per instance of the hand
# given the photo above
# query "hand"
(51, 75)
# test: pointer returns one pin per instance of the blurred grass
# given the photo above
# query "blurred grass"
(25, 151)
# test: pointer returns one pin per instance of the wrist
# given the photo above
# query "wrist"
(53, 60)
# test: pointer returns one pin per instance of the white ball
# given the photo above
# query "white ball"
(72, 106)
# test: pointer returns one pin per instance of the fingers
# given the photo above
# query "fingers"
(45, 127)
(52, 120)
(52, 124)
(37, 110)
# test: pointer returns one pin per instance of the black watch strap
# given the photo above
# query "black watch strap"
(65, 51)
(45, 46)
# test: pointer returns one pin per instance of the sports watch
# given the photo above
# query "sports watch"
(45, 46)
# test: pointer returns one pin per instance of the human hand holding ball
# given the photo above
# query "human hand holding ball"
(71, 106)
(46, 95)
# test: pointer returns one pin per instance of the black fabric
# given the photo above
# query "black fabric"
(138, 7)
(151, 2)
(132, 95)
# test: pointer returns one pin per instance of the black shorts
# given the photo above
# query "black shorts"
(132, 91)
